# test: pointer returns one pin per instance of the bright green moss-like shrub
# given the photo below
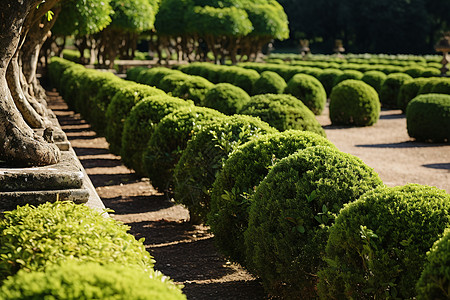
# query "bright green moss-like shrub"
(139, 126)
(195, 89)
(348, 74)
(375, 79)
(169, 139)
(56, 68)
(32, 238)
(196, 170)
(245, 79)
(414, 71)
(428, 118)
(429, 85)
(291, 212)
(133, 73)
(434, 282)
(75, 281)
(442, 87)
(242, 172)
(226, 98)
(70, 83)
(377, 246)
(328, 77)
(269, 83)
(309, 90)
(409, 90)
(391, 88)
(172, 81)
(282, 112)
(353, 102)
(153, 76)
(119, 109)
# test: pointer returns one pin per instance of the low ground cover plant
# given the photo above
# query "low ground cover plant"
(377, 246)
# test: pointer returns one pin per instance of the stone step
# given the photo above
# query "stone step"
(67, 174)
(10, 200)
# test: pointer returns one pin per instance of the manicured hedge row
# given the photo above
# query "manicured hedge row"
(41, 247)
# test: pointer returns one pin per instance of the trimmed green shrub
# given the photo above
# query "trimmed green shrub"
(328, 77)
(391, 88)
(309, 90)
(245, 79)
(442, 87)
(194, 88)
(353, 102)
(196, 170)
(431, 72)
(428, 87)
(348, 74)
(226, 98)
(409, 90)
(119, 108)
(414, 71)
(375, 79)
(77, 281)
(33, 238)
(153, 76)
(291, 212)
(133, 73)
(234, 186)
(139, 126)
(282, 112)
(434, 282)
(170, 82)
(69, 84)
(169, 139)
(101, 102)
(269, 83)
(428, 118)
(377, 246)
(56, 68)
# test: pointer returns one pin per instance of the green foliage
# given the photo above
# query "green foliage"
(375, 79)
(234, 186)
(140, 124)
(309, 90)
(170, 19)
(172, 81)
(132, 15)
(353, 102)
(69, 84)
(75, 281)
(194, 88)
(442, 87)
(33, 238)
(429, 85)
(409, 90)
(226, 98)
(153, 76)
(56, 68)
(291, 212)
(434, 282)
(196, 170)
(391, 88)
(269, 83)
(414, 71)
(376, 248)
(328, 77)
(119, 109)
(169, 139)
(268, 19)
(246, 79)
(428, 118)
(348, 74)
(72, 55)
(282, 112)
(133, 73)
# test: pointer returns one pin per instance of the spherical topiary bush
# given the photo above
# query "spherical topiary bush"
(375, 79)
(172, 81)
(391, 87)
(377, 246)
(282, 112)
(442, 87)
(353, 102)
(309, 90)
(269, 83)
(169, 139)
(328, 77)
(196, 170)
(195, 89)
(153, 76)
(246, 79)
(139, 126)
(348, 74)
(291, 212)
(434, 282)
(409, 90)
(226, 98)
(414, 71)
(75, 281)
(429, 85)
(133, 73)
(119, 109)
(428, 118)
(32, 238)
(242, 172)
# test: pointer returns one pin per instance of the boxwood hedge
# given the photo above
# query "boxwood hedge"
(309, 90)
(391, 88)
(269, 83)
(226, 98)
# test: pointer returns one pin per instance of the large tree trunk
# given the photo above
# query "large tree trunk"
(18, 143)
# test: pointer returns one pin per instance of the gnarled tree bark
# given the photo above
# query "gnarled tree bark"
(18, 143)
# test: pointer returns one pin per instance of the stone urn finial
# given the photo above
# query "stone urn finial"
(444, 46)
(338, 48)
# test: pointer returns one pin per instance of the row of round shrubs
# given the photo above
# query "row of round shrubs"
(63, 250)
(304, 87)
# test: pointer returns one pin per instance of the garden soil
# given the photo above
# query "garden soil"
(186, 252)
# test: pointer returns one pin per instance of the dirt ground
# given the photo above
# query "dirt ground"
(185, 252)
